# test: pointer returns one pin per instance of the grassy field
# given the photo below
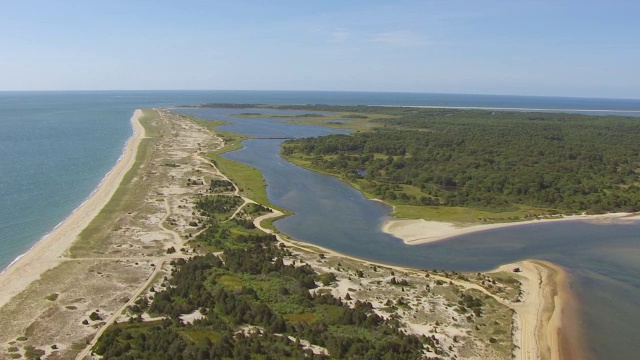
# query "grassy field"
(252, 183)
(465, 215)
(249, 180)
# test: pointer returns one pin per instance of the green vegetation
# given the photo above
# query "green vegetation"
(94, 316)
(253, 306)
(31, 352)
(128, 195)
(249, 180)
(472, 165)
(52, 297)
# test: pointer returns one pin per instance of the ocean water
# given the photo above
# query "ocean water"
(55, 147)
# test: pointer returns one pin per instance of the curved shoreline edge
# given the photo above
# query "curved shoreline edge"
(545, 320)
(545, 325)
(47, 252)
(420, 231)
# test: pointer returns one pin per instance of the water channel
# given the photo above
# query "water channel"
(603, 260)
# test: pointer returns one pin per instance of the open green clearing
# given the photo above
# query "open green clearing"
(255, 299)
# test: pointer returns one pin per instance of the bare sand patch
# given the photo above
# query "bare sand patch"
(419, 231)
(541, 315)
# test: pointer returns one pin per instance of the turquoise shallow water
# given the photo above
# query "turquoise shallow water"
(55, 147)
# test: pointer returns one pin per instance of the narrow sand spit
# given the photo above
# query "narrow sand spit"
(545, 303)
(46, 253)
(418, 231)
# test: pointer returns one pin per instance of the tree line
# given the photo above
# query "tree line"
(482, 159)
(254, 306)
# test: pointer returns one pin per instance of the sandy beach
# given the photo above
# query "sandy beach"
(541, 327)
(419, 231)
(47, 253)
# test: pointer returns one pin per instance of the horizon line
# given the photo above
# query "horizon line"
(326, 91)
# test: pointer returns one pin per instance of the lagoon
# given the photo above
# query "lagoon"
(56, 146)
(603, 260)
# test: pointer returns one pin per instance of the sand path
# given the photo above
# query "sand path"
(120, 311)
(537, 316)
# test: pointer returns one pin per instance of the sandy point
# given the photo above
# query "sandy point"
(545, 320)
(47, 253)
(419, 231)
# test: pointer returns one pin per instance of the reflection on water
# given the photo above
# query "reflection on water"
(603, 259)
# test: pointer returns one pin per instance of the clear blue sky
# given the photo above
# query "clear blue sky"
(520, 47)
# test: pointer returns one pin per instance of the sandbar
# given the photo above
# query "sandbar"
(419, 231)
(545, 318)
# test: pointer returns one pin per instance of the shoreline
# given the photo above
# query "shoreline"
(47, 252)
(77, 208)
(420, 231)
(541, 310)
(545, 320)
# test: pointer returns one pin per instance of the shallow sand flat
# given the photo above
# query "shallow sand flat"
(419, 231)
(545, 316)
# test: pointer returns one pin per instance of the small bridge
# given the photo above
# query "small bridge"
(273, 138)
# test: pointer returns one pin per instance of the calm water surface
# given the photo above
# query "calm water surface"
(55, 147)
(603, 260)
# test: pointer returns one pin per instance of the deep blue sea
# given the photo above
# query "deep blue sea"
(55, 148)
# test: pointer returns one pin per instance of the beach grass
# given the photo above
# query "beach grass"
(128, 194)
(268, 223)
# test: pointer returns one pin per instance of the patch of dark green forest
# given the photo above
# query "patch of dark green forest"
(567, 163)
(253, 306)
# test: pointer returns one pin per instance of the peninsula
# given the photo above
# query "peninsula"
(167, 235)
